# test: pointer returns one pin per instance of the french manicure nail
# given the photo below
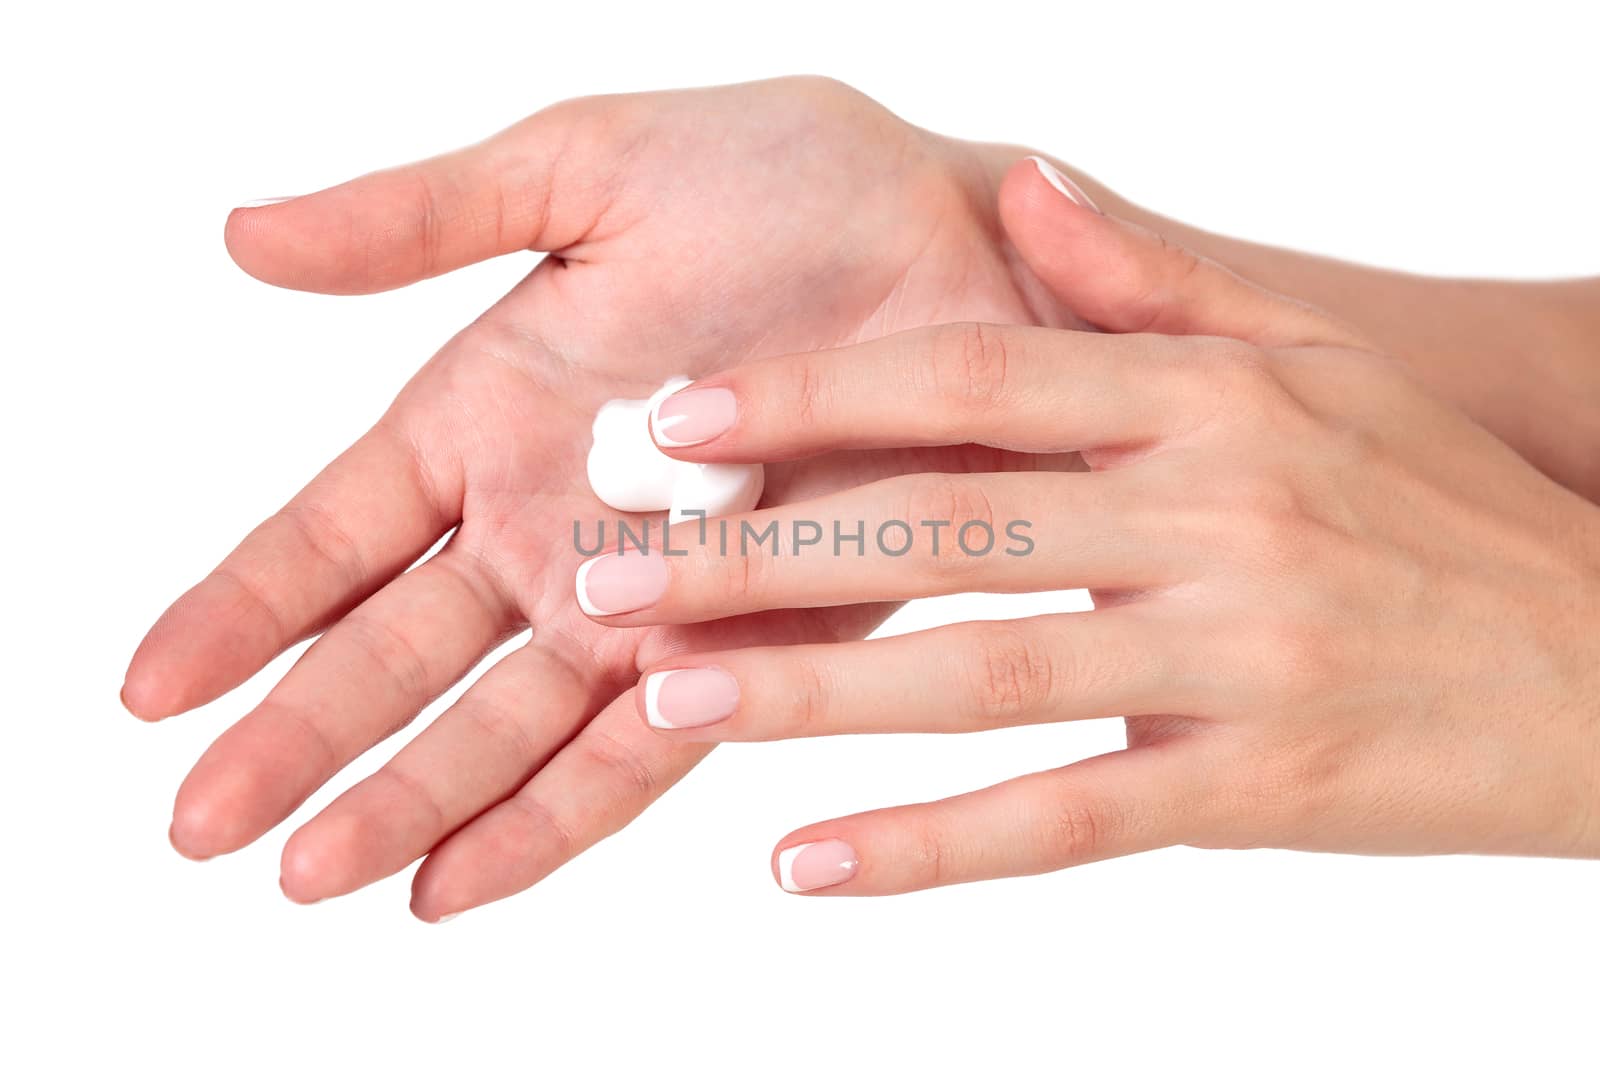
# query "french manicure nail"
(816, 865)
(268, 202)
(693, 416)
(689, 696)
(613, 584)
(1064, 185)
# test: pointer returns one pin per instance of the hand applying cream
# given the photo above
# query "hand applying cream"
(628, 472)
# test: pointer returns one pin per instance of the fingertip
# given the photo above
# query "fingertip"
(429, 902)
(1040, 214)
(198, 649)
(145, 696)
(302, 868)
(298, 243)
(807, 862)
(432, 916)
(217, 809)
(190, 833)
(432, 907)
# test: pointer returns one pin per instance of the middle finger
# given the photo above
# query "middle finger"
(906, 537)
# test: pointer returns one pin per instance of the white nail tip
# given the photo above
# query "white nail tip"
(652, 697)
(580, 584)
(446, 918)
(268, 202)
(786, 860)
(1050, 174)
(659, 426)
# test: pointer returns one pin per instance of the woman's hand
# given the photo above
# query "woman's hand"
(688, 232)
(1336, 613)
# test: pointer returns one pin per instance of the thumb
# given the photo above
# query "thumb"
(401, 225)
(1124, 278)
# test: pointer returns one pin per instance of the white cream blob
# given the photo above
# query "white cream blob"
(628, 472)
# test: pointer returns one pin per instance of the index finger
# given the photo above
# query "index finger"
(1021, 388)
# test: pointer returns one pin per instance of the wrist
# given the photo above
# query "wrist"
(1521, 358)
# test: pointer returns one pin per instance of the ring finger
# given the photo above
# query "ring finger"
(969, 676)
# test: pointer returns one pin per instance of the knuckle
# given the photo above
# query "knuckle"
(968, 366)
(1277, 528)
(618, 762)
(1076, 827)
(1237, 361)
(323, 535)
(822, 96)
(1012, 677)
(932, 852)
(950, 504)
(430, 217)
(393, 653)
(1280, 795)
(812, 694)
(540, 822)
(1307, 656)
(1287, 659)
(1262, 515)
(743, 571)
(1239, 380)
(810, 388)
(1160, 293)
(319, 749)
(499, 721)
(414, 795)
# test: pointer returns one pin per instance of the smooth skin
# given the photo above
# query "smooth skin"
(688, 232)
(1337, 614)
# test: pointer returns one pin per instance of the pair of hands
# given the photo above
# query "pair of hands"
(698, 231)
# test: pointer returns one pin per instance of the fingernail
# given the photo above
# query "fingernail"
(691, 696)
(693, 416)
(1064, 185)
(612, 584)
(268, 202)
(446, 918)
(816, 865)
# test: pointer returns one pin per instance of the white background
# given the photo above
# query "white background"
(158, 403)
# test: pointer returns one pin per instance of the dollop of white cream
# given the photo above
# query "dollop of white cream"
(628, 472)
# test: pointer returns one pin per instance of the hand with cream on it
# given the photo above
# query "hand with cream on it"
(812, 217)
(1337, 614)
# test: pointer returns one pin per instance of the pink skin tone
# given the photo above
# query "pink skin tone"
(844, 223)
(1337, 614)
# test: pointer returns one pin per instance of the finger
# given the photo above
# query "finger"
(1021, 388)
(600, 781)
(541, 184)
(1108, 806)
(367, 677)
(969, 676)
(590, 789)
(898, 539)
(361, 521)
(477, 753)
(1126, 279)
